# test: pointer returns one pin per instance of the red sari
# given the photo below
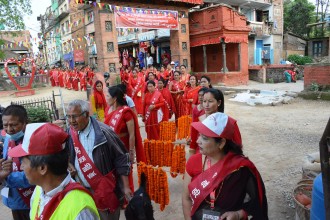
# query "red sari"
(75, 80)
(151, 116)
(117, 121)
(61, 78)
(190, 93)
(137, 86)
(169, 107)
(178, 98)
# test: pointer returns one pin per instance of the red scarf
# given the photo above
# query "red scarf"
(211, 178)
(113, 120)
(103, 186)
(100, 101)
(154, 99)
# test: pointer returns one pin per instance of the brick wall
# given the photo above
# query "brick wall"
(227, 79)
(317, 73)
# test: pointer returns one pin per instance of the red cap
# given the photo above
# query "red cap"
(40, 139)
(219, 125)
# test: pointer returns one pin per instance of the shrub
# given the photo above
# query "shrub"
(38, 114)
(299, 60)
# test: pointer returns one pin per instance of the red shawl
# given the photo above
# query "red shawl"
(100, 101)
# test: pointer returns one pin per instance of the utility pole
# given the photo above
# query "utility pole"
(42, 21)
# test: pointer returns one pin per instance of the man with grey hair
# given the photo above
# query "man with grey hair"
(100, 159)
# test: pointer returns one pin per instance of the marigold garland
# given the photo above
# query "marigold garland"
(167, 131)
(157, 185)
(184, 123)
(178, 161)
(158, 153)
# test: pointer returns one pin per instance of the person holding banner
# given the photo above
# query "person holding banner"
(125, 124)
(152, 111)
(100, 159)
(220, 182)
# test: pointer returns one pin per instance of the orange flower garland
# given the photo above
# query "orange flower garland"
(167, 131)
(157, 185)
(184, 123)
(178, 161)
(158, 153)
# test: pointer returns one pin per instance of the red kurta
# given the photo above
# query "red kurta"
(169, 107)
(125, 114)
(61, 77)
(178, 98)
(75, 80)
(137, 85)
(151, 116)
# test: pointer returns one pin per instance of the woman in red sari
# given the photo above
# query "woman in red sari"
(177, 88)
(220, 181)
(169, 107)
(125, 124)
(137, 85)
(184, 75)
(190, 96)
(152, 111)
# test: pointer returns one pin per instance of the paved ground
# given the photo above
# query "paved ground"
(275, 138)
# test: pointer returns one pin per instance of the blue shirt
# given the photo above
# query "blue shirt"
(13, 181)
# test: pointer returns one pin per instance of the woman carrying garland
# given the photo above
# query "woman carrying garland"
(152, 111)
(190, 96)
(98, 102)
(125, 124)
(169, 107)
(137, 84)
(220, 181)
(177, 88)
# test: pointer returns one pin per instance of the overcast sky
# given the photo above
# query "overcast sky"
(31, 23)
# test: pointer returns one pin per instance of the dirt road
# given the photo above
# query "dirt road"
(275, 138)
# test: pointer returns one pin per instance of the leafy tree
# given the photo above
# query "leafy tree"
(297, 14)
(11, 15)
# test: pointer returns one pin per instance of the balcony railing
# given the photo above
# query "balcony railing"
(260, 28)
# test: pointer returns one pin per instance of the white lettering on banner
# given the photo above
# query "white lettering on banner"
(113, 121)
(77, 150)
(117, 116)
(205, 183)
(28, 193)
(91, 175)
(81, 159)
(196, 192)
(214, 175)
(86, 167)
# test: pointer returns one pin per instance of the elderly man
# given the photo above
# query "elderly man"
(17, 191)
(100, 158)
(45, 163)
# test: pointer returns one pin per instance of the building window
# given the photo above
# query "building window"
(185, 62)
(110, 47)
(317, 48)
(108, 26)
(112, 67)
(184, 46)
(90, 16)
(183, 28)
(62, 27)
(67, 26)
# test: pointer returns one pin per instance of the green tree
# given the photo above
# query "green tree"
(11, 15)
(297, 14)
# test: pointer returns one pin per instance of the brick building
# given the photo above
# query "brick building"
(220, 34)
(107, 43)
(293, 44)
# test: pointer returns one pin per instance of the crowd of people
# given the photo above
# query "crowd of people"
(41, 162)
(76, 79)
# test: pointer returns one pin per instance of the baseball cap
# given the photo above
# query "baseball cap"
(219, 125)
(172, 63)
(40, 139)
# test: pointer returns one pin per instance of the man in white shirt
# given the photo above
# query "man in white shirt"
(150, 60)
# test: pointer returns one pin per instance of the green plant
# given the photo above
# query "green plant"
(300, 60)
(117, 80)
(314, 87)
(38, 114)
(270, 80)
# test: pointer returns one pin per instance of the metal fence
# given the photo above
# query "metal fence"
(48, 103)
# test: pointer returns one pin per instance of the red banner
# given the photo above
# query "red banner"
(78, 55)
(146, 18)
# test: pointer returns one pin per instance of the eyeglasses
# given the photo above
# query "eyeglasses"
(73, 117)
